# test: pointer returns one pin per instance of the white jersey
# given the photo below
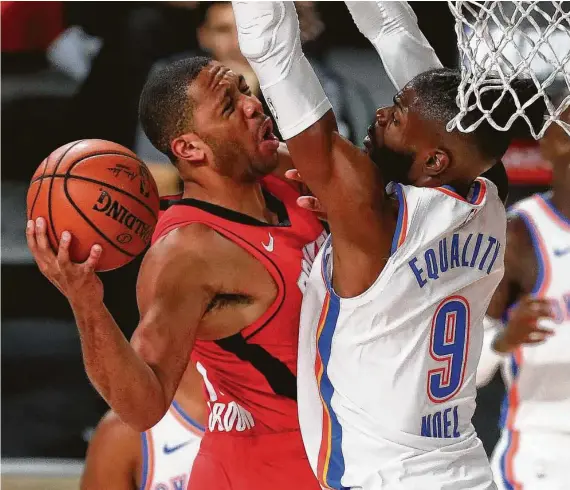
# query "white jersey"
(169, 449)
(386, 380)
(537, 404)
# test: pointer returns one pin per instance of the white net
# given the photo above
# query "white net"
(502, 41)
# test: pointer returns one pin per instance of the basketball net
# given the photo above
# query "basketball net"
(501, 41)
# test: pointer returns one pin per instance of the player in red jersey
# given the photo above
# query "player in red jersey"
(223, 280)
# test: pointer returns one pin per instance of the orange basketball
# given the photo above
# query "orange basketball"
(101, 193)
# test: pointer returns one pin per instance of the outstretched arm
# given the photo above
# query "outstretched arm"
(343, 178)
(392, 28)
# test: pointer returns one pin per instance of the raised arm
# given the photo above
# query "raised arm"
(392, 28)
(138, 379)
(344, 179)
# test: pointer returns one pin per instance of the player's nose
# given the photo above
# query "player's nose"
(252, 106)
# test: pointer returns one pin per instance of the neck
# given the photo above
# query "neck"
(245, 198)
(561, 188)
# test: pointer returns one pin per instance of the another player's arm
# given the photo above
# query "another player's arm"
(284, 164)
(343, 178)
(392, 28)
(113, 456)
(138, 381)
(522, 327)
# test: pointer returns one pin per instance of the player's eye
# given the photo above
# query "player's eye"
(245, 90)
(229, 107)
(394, 120)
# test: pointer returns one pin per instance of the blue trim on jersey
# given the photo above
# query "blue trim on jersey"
(514, 368)
(145, 460)
(508, 485)
(336, 467)
(186, 417)
(477, 186)
(547, 200)
(401, 208)
(504, 411)
(324, 268)
(536, 246)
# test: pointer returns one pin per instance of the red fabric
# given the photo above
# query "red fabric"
(276, 462)
(30, 26)
(525, 165)
(237, 383)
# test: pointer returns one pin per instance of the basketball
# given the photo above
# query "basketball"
(102, 194)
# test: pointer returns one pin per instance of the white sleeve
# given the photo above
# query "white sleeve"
(269, 37)
(490, 360)
(392, 28)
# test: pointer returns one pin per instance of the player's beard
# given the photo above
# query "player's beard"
(394, 166)
(233, 160)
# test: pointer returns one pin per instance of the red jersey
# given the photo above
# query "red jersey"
(250, 377)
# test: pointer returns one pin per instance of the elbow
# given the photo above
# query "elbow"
(143, 420)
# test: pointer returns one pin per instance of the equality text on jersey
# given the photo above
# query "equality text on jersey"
(474, 251)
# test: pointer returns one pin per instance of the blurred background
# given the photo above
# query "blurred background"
(74, 70)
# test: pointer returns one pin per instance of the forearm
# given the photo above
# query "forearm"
(269, 38)
(490, 359)
(393, 30)
(121, 377)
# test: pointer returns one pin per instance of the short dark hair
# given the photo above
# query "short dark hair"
(165, 109)
(437, 92)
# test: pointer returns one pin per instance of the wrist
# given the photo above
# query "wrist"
(82, 303)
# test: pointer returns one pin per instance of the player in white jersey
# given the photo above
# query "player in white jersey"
(391, 334)
(119, 458)
(528, 334)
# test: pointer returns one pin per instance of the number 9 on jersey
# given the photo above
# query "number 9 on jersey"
(449, 347)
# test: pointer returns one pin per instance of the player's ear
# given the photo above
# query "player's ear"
(436, 162)
(190, 148)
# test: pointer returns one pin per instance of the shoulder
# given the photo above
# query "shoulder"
(187, 246)
(112, 431)
(518, 234)
(114, 451)
(520, 257)
(193, 256)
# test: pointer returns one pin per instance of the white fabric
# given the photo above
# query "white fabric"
(376, 357)
(169, 449)
(531, 461)
(502, 41)
(269, 38)
(490, 359)
(392, 28)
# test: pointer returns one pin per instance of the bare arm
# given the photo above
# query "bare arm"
(113, 456)
(515, 286)
(138, 381)
(342, 177)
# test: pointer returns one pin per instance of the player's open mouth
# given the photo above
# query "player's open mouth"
(268, 141)
(266, 131)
